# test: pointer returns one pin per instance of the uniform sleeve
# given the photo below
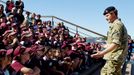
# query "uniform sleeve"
(117, 33)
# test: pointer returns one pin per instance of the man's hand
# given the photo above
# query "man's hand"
(97, 55)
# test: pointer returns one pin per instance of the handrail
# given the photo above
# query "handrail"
(80, 27)
(77, 25)
(78, 31)
(2, 1)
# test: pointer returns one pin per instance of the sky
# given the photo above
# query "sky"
(86, 13)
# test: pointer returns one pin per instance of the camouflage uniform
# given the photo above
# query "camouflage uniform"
(117, 34)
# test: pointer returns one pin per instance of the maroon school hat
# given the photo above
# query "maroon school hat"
(34, 48)
(41, 35)
(3, 25)
(12, 34)
(28, 49)
(40, 48)
(9, 51)
(7, 32)
(14, 24)
(19, 50)
(4, 52)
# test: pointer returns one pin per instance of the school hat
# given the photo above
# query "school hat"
(18, 50)
(4, 52)
(14, 24)
(12, 34)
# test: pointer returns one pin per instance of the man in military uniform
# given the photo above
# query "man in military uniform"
(116, 48)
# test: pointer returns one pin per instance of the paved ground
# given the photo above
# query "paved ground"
(130, 68)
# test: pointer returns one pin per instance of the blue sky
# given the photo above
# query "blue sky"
(86, 13)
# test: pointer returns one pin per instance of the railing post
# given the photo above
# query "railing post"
(52, 21)
(76, 29)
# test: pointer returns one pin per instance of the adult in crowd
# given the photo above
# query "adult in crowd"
(9, 6)
(20, 16)
(117, 43)
(19, 5)
(130, 47)
(2, 14)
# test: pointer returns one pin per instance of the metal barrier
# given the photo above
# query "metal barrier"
(77, 27)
